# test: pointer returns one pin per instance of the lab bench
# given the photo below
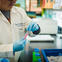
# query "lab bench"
(29, 57)
(42, 41)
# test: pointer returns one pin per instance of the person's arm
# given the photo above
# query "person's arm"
(19, 45)
(29, 24)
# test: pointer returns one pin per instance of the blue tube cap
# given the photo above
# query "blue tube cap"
(37, 54)
(36, 49)
(39, 60)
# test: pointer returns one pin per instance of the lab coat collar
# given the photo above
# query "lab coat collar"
(4, 18)
(12, 10)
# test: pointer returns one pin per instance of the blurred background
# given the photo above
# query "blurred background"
(48, 14)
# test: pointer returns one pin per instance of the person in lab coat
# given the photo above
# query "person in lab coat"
(13, 22)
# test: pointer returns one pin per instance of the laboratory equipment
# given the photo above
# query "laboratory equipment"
(47, 36)
(36, 55)
(52, 55)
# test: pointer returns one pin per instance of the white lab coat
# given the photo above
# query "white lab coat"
(10, 33)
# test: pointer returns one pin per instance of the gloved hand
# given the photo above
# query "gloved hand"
(34, 27)
(4, 60)
(19, 45)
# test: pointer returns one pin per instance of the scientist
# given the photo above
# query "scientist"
(13, 22)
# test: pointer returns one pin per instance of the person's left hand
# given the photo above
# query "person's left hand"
(4, 60)
(34, 27)
(19, 45)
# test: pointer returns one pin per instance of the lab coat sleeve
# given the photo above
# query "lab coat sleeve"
(29, 25)
(26, 19)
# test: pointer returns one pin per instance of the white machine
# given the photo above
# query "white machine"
(48, 26)
(47, 36)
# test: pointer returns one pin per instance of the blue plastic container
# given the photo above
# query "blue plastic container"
(51, 52)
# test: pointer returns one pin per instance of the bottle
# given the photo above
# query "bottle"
(36, 55)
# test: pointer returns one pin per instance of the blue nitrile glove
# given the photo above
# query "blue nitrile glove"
(4, 60)
(19, 45)
(34, 27)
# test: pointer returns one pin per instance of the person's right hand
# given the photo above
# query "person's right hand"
(34, 27)
(19, 45)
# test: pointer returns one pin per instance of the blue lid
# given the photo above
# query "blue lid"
(39, 60)
(37, 54)
(5, 60)
(36, 49)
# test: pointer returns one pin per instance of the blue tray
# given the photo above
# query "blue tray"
(51, 52)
